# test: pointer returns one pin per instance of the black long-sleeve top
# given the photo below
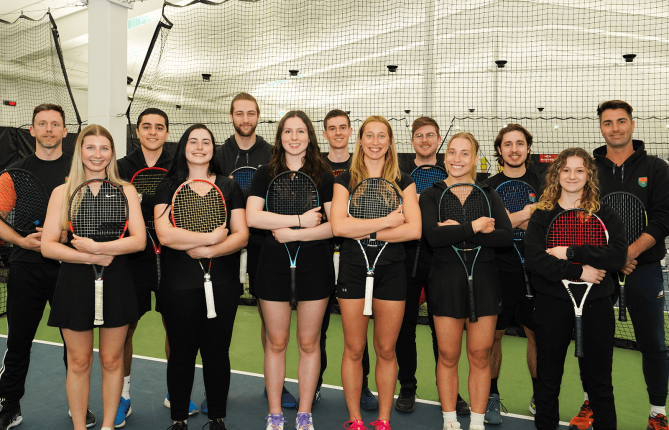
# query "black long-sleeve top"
(442, 237)
(548, 271)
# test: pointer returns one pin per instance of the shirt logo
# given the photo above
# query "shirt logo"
(533, 198)
(643, 182)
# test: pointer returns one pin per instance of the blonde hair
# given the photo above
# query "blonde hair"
(391, 167)
(475, 149)
(552, 191)
(77, 175)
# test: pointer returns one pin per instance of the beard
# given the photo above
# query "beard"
(46, 146)
(239, 131)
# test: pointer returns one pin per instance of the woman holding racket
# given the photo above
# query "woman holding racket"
(572, 183)
(295, 149)
(446, 229)
(186, 254)
(375, 160)
(73, 303)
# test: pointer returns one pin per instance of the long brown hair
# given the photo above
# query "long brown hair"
(313, 162)
(590, 195)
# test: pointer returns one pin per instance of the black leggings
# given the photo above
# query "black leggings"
(189, 330)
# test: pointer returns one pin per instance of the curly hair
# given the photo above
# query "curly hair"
(590, 195)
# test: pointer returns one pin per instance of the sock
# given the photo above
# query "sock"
(449, 416)
(493, 387)
(585, 397)
(476, 419)
(126, 388)
(534, 385)
(656, 410)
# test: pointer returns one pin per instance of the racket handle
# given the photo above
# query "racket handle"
(335, 260)
(369, 294)
(243, 266)
(529, 295)
(578, 327)
(622, 305)
(293, 287)
(158, 271)
(415, 261)
(472, 301)
(209, 297)
(98, 303)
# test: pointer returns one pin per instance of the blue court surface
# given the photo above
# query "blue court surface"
(44, 405)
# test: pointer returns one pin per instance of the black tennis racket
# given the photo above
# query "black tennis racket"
(633, 213)
(146, 182)
(465, 203)
(99, 211)
(23, 201)
(424, 177)
(243, 176)
(372, 198)
(292, 193)
(337, 246)
(198, 205)
(516, 195)
(574, 227)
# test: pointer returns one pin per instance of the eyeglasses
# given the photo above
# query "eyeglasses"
(429, 136)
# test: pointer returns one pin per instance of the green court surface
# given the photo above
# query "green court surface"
(514, 383)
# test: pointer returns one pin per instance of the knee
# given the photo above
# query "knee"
(276, 344)
(309, 346)
(79, 362)
(499, 334)
(448, 358)
(385, 353)
(353, 352)
(111, 361)
(479, 358)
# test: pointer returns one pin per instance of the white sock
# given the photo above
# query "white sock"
(449, 416)
(656, 410)
(585, 397)
(476, 419)
(126, 388)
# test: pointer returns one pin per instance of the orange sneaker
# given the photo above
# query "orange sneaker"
(584, 419)
(658, 422)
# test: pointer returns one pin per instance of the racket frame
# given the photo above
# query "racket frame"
(36, 184)
(243, 257)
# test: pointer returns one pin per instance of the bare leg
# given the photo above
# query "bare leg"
(387, 327)
(263, 332)
(278, 334)
(79, 346)
(496, 354)
(127, 350)
(355, 337)
(531, 352)
(309, 343)
(112, 341)
(480, 337)
(449, 341)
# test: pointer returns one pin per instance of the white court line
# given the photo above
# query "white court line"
(259, 375)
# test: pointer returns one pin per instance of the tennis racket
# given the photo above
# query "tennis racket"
(372, 198)
(243, 177)
(23, 201)
(198, 206)
(465, 203)
(634, 216)
(335, 256)
(99, 211)
(146, 182)
(516, 195)
(574, 227)
(292, 193)
(424, 177)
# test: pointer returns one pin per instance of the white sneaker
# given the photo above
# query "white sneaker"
(274, 422)
(476, 427)
(451, 425)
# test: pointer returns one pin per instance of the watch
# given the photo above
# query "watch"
(570, 253)
(372, 236)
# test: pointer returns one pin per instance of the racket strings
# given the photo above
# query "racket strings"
(243, 176)
(631, 211)
(516, 195)
(23, 200)
(199, 207)
(98, 211)
(373, 199)
(463, 203)
(292, 194)
(146, 181)
(428, 176)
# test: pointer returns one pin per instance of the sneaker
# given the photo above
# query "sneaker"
(406, 401)
(287, 399)
(203, 405)
(304, 421)
(355, 425)
(368, 400)
(216, 424)
(124, 410)
(657, 422)
(471, 427)
(584, 419)
(380, 424)
(275, 422)
(451, 425)
(192, 407)
(493, 415)
(178, 425)
(90, 417)
(533, 407)
(10, 416)
(461, 407)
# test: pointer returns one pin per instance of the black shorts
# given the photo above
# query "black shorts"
(514, 301)
(389, 282)
(145, 279)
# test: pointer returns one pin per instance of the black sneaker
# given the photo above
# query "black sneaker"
(90, 417)
(178, 425)
(406, 401)
(461, 406)
(10, 416)
(216, 424)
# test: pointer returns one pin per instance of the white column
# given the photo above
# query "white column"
(107, 69)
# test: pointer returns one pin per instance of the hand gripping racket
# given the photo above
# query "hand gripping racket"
(99, 211)
(424, 177)
(243, 177)
(198, 206)
(633, 214)
(574, 227)
(146, 182)
(516, 195)
(23, 201)
(465, 203)
(292, 193)
(372, 198)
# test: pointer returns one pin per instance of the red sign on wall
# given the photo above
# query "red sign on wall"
(547, 158)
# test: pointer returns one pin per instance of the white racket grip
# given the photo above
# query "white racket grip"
(98, 303)
(335, 259)
(369, 293)
(209, 297)
(242, 266)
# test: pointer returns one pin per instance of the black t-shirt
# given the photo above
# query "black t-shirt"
(507, 258)
(350, 250)
(51, 173)
(338, 169)
(180, 271)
